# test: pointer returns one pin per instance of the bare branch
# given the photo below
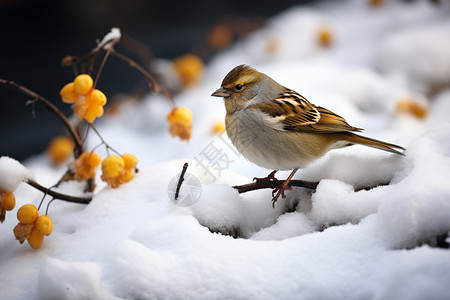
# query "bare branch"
(266, 184)
(68, 198)
(52, 108)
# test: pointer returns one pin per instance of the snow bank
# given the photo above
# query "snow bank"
(339, 242)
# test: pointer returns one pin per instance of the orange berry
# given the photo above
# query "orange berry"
(126, 175)
(218, 127)
(60, 149)
(86, 165)
(97, 97)
(325, 36)
(83, 84)
(130, 161)
(68, 93)
(35, 239)
(27, 214)
(112, 166)
(93, 111)
(93, 158)
(180, 115)
(44, 225)
(180, 119)
(412, 107)
(8, 200)
(189, 67)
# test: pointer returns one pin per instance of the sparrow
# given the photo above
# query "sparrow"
(276, 128)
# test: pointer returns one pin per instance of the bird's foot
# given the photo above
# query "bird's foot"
(269, 177)
(279, 191)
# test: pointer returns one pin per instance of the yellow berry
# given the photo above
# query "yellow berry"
(97, 97)
(68, 93)
(180, 119)
(35, 239)
(93, 158)
(60, 149)
(44, 225)
(180, 115)
(27, 214)
(83, 84)
(189, 67)
(112, 166)
(130, 161)
(218, 127)
(126, 175)
(325, 36)
(86, 165)
(93, 111)
(8, 200)
(412, 107)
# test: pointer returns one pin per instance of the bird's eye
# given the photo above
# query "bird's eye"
(238, 86)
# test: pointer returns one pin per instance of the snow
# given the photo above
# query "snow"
(338, 242)
(113, 36)
(12, 173)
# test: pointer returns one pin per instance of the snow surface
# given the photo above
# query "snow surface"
(340, 242)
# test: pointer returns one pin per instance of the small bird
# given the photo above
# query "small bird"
(277, 128)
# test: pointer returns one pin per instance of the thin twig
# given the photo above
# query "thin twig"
(274, 183)
(102, 140)
(68, 198)
(180, 180)
(52, 108)
(101, 67)
(155, 86)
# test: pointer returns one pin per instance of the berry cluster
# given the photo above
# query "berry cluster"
(117, 170)
(87, 102)
(7, 203)
(180, 120)
(32, 227)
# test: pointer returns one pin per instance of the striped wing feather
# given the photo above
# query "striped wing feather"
(298, 114)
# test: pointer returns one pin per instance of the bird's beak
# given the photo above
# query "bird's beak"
(221, 92)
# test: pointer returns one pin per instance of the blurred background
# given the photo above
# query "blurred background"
(36, 35)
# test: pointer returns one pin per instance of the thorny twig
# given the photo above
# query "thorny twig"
(52, 108)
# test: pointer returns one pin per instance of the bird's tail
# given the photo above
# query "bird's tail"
(362, 140)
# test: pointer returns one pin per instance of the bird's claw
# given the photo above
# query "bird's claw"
(279, 191)
(270, 177)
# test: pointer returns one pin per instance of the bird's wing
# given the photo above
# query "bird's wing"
(292, 112)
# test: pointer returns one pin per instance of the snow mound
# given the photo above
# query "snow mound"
(12, 173)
